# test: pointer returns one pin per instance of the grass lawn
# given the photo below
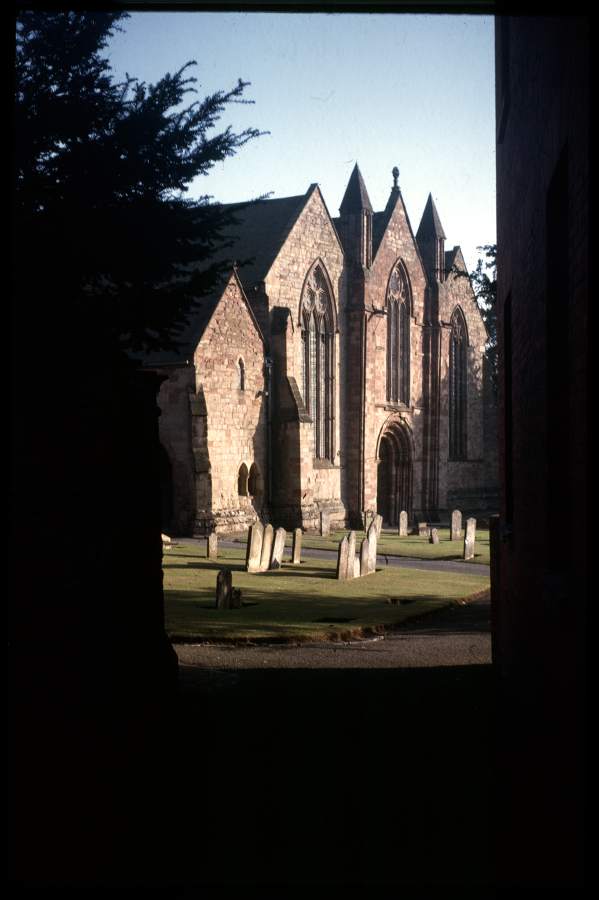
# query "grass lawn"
(299, 603)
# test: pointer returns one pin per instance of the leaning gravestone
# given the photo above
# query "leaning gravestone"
(434, 536)
(351, 554)
(297, 547)
(372, 544)
(342, 560)
(254, 548)
(265, 555)
(278, 548)
(456, 525)
(212, 546)
(325, 524)
(403, 524)
(469, 538)
(364, 552)
(224, 586)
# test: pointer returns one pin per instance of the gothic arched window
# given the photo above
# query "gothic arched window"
(398, 336)
(241, 370)
(317, 325)
(458, 374)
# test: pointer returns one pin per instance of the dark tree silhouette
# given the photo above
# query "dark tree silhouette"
(109, 256)
(102, 172)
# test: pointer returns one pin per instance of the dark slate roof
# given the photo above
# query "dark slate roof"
(260, 233)
(356, 196)
(430, 224)
(261, 229)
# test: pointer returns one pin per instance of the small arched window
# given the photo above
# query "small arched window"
(241, 368)
(398, 336)
(242, 480)
(316, 317)
(458, 379)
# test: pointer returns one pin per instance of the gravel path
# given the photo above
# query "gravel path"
(455, 636)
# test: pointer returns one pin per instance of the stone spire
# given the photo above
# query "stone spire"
(355, 199)
(355, 222)
(431, 241)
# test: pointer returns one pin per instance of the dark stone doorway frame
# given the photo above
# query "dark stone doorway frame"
(394, 473)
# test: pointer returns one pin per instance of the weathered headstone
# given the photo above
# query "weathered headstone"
(364, 551)
(325, 523)
(212, 545)
(456, 525)
(378, 523)
(357, 567)
(254, 548)
(403, 524)
(434, 536)
(423, 528)
(297, 547)
(351, 553)
(224, 585)
(469, 538)
(166, 542)
(372, 545)
(342, 560)
(265, 555)
(278, 548)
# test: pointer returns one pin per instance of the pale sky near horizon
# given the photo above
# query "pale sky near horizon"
(416, 91)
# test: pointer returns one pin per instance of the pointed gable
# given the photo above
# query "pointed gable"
(430, 227)
(355, 199)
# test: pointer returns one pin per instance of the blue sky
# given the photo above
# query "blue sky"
(416, 91)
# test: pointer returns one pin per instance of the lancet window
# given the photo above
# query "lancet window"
(458, 371)
(317, 328)
(398, 337)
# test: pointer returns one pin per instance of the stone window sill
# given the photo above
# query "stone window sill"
(324, 464)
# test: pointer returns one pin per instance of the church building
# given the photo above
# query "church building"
(340, 370)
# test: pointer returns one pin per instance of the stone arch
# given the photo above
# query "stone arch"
(255, 482)
(395, 469)
(242, 480)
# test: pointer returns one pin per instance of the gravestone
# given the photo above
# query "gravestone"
(342, 560)
(212, 546)
(434, 536)
(224, 586)
(325, 524)
(235, 598)
(297, 547)
(357, 567)
(351, 554)
(378, 523)
(403, 524)
(265, 555)
(278, 548)
(254, 548)
(423, 528)
(469, 538)
(372, 545)
(368, 520)
(456, 525)
(364, 552)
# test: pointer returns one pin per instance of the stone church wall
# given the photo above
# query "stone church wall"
(312, 238)
(230, 427)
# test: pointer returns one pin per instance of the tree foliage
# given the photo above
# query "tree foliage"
(106, 238)
(484, 282)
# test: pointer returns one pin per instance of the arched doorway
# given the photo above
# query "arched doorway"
(394, 473)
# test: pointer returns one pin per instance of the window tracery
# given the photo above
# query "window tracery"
(398, 336)
(316, 318)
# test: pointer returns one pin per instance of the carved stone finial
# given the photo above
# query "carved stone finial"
(395, 173)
